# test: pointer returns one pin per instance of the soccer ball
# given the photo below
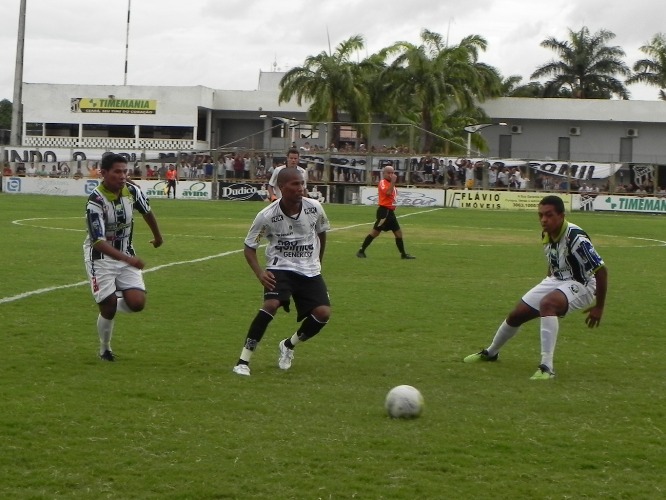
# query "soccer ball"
(404, 401)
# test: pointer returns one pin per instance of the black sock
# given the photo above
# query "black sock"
(400, 245)
(257, 329)
(309, 328)
(366, 242)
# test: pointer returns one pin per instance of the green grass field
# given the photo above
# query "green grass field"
(170, 419)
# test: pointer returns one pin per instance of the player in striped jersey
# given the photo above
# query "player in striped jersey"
(295, 228)
(110, 260)
(577, 280)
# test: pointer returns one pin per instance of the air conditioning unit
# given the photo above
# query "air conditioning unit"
(574, 130)
(632, 132)
(516, 129)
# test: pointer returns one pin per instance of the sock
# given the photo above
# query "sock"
(105, 331)
(504, 333)
(291, 342)
(121, 306)
(550, 326)
(254, 335)
(309, 328)
(366, 242)
(400, 245)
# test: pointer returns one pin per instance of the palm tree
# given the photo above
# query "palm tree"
(333, 83)
(511, 84)
(427, 82)
(652, 71)
(511, 88)
(586, 65)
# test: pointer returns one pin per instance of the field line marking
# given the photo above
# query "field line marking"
(19, 222)
(40, 291)
(663, 243)
(24, 295)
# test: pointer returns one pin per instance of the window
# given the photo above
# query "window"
(564, 148)
(61, 129)
(164, 132)
(626, 149)
(118, 131)
(307, 131)
(278, 128)
(505, 146)
(348, 132)
(202, 125)
(34, 129)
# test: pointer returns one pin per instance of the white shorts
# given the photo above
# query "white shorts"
(108, 275)
(578, 295)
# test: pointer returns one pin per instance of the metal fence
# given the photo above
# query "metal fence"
(353, 167)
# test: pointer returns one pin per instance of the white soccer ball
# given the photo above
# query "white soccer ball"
(404, 401)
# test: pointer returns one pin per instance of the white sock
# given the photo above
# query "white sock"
(246, 355)
(504, 333)
(105, 331)
(294, 339)
(550, 326)
(121, 306)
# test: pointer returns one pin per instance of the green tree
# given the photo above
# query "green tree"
(427, 83)
(511, 88)
(333, 83)
(587, 66)
(5, 114)
(510, 84)
(652, 71)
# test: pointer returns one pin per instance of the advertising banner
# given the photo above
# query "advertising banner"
(407, 197)
(45, 185)
(77, 157)
(619, 203)
(185, 190)
(108, 105)
(256, 191)
(580, 171)
(499, 200)
(242, 191)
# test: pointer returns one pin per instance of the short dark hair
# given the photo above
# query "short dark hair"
(293, 151)
(109, 159)
(286, 174)
(555, 201)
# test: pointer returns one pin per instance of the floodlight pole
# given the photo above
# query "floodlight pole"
(17, 105)
(129, 7)
(472, 129)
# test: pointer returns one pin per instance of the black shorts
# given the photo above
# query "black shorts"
(308, 292)
(386, 220)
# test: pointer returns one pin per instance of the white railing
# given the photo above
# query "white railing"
(109, 143)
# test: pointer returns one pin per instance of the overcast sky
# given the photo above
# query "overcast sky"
(223, 44)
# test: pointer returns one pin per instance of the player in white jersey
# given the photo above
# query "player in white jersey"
(295, 228)
(577, 280)
(293, 157)
(111, 263)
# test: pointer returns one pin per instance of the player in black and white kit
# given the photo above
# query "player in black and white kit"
(295, 228)
(111, 262)
(293, 157)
